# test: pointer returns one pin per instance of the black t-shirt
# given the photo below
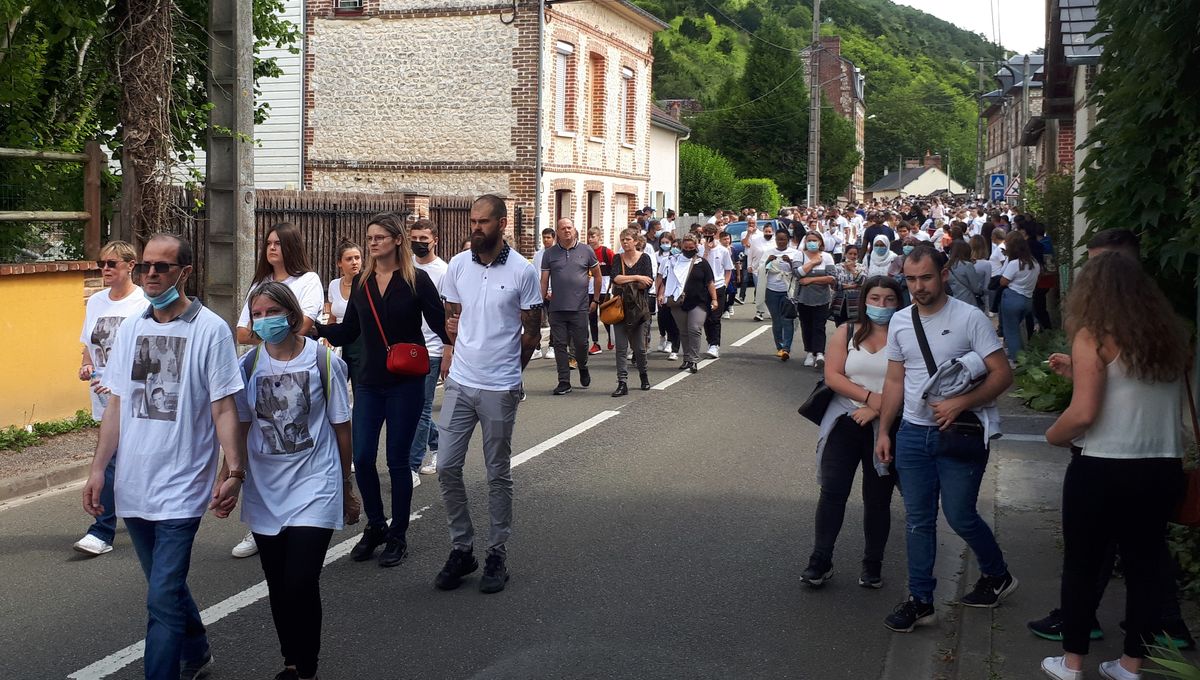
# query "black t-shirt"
(695, 289)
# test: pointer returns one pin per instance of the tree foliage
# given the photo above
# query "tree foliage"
(760, 194)
(1143, 162)
(706, 179)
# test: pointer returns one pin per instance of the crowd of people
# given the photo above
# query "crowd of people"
(930, 303)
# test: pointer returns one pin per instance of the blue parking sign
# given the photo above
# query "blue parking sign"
(996, 186)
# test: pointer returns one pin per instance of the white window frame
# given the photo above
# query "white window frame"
(626, 77)
(348, 4)
(562, 62)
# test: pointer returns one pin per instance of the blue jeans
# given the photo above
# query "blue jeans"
(783, 329)
(400, 406)
(427, 432)
(1014, 307)
(105, 526)
(923, 477)
(174, 632)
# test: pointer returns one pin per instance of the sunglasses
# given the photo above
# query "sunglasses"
(108, 264)
(142, 268)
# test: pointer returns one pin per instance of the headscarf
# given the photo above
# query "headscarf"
(876, 264)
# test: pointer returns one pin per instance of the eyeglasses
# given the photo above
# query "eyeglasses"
(378, 239)
(107, 264)
(142, 268)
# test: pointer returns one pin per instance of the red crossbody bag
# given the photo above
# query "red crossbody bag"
(403, 358)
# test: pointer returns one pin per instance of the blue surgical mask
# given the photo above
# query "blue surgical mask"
(167, 297)
(272, 329)
(880, 315)
(666, 247)
(812, 246)
(881, 249)
(675, 251)
(907, 249)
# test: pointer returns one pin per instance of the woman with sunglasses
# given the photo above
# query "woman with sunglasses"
(282, 260)
(106, 310)
(388, 300)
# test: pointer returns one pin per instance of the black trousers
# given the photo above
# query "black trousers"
(849, 447)
(292, 562)
(1126, 502)
(712, 323)
(812, 327)
(667, 327)
(594, 322)
(1041, 311)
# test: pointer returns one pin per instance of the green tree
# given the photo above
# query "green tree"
(760, 194)
(1143, 162)
(706, 179)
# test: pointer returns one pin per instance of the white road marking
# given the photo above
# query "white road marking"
(1023, 437)
(680, 376)
(751, 335)
(122, 658)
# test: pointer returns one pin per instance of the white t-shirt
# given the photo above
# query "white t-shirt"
(1021, 281)
(756, 249)
(167, 376)
(308, 290)
(100, 323)
(337, 303)
(957, 328)
(487, 351)
(976, 226)
(294, 473)
(775, 281)
(436, 270)
(997, 259)
(721, 261)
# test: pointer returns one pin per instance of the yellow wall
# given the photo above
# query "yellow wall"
(40, 319)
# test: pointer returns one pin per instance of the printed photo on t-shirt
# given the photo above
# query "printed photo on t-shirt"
(104, 333)
(156, 371)
(282, 406)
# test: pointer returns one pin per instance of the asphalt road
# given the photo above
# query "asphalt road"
(663, 542)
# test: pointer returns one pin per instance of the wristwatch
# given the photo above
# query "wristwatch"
(237, 474)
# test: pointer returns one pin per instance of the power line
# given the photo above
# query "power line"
(760, 97)
(728, 18)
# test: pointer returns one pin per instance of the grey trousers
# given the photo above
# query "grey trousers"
(569, 327)
(691, 325)
(627, 336)
(496, 413)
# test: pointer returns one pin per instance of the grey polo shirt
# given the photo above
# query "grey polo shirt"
(570, 269)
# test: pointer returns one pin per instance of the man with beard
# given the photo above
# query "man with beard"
(493, 318)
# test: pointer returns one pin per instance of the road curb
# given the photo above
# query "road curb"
(973, 651)
(41, 480)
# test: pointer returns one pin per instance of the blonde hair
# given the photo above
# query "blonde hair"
(122, 249)
(396, 228)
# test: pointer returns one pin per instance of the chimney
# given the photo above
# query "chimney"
(912, 163)
(674, 108)
(832, 44)
(932, 160)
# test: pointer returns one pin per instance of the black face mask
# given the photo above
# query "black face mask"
(420, 249)
(689, 253)
(768, 237)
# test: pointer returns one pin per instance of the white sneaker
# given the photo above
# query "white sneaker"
(431, 468)
(91, 544)
(1112, 670)
(416, 480)
(714, 351)
(727, 315)
(549, 353)
(664, 346)
(1056, 667)
(672, 356)
(246, 548)
(810, 360)
(820, 360)
(537, 354)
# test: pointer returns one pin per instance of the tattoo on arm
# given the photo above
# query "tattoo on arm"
(531, 336)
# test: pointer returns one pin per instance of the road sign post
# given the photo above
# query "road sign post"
(1014, 189)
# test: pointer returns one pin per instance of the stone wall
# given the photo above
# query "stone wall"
(463, 183)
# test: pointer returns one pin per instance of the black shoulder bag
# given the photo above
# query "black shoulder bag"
(817, 404)
(964, 438)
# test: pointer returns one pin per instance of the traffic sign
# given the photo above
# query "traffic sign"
(999, 181)
(1014, 189)
(997, 195)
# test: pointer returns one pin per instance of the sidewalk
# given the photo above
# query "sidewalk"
(58, 460)
(1021, 499)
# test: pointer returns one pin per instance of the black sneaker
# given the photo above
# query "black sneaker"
(871, 576)
(989, 590)
(394, 553)
(1051, 627)
(372, 537)
(585, 378)
(495, 574)
(1174, 634)
(910, 614)
(645, 380)
(458, 565)
(563, 388)
(818, 572)
(194, 670)
(288, 674)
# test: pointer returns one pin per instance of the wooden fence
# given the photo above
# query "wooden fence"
(452, 215)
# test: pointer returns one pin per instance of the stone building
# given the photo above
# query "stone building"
(442, 97)
(842, 84)
(1005, 124)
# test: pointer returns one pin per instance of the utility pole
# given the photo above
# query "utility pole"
(229, 171)
(1024, 122)
(979, 188)
(814, 110)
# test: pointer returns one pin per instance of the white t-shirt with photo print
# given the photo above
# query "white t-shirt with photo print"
(100, 323)
(167, 376)
(294, 474)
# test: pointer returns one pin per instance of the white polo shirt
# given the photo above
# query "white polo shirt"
(487, 351)
(721, 261)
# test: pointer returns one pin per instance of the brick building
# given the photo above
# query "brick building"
(441, 97)
(842, 84)
(1007, 129)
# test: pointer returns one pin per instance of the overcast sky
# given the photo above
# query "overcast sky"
(1022, 23)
